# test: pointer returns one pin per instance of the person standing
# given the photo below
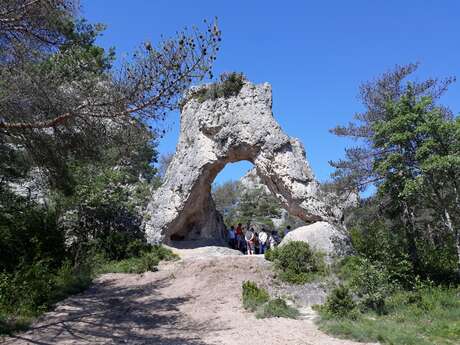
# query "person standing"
(273, 240)
(250, 241)
(287, 230)
(256, 243)
(232, 237)
(263, 238)
(239, 236)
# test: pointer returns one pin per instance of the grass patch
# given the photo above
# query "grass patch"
(426, 316)
(258, 300)
(277, 308)
(296, 263)
(253, 296)
(147, 261)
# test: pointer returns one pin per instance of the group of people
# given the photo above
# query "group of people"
(249, 241)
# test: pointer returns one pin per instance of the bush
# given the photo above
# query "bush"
(372, 283)
(70, 280)
(28, 233)
(340, 303)
(429, 315)
(147, 261)
(296, 262)
(258, 299)
(33, 289)
(277, 308)
(270, 254)
(163, 253)
(230, 84)
(253, 296)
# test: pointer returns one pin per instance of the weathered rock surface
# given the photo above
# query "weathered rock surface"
(321, 236)
(251, 181)
(226, 130)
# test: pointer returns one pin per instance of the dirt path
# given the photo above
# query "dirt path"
(194, 301)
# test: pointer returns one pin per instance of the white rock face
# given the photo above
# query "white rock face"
(321, 236)
(252, 181)
(226, 130)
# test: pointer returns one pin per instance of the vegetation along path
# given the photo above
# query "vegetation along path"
(193, 301)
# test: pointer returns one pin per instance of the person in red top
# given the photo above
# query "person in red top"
(239, 236)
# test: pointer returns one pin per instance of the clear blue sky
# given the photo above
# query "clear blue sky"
(314, 53)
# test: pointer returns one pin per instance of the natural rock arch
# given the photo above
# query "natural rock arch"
(226, 130)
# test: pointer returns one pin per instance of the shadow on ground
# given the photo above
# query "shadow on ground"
(108, 314)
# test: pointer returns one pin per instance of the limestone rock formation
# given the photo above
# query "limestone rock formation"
(321, 236)
(225, 130)
(250, 182)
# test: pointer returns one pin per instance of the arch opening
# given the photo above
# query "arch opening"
(215, 133)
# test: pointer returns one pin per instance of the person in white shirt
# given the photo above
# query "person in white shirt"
(263, 239)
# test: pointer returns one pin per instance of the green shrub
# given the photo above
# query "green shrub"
(230, 84)
(296, 262)
(33, 289)
(372, 283)
(163, 253)
(147, 261)
(28, 233)
(136, 247)
(253, 296)
(277, 308)
(340, 303)
(270, 254)
(136, 265)
(70, 280)
(425, 316)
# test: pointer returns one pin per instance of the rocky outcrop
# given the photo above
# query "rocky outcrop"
(321, 236)
(251, 182)
(225, 130)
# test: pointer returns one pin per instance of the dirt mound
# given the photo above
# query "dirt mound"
(187, 302)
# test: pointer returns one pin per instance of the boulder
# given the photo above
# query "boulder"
(321, 236)
(223, 130)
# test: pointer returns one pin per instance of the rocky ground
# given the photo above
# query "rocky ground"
(193, 301)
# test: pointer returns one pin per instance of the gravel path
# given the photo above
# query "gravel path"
(194, 301)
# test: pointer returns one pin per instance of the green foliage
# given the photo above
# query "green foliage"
(277, 308)
(430, 315)
(257, 204)
(28, 233)
(227, 196)
(83, 145)
(411, 152)
(242, 205)
(339, 303)
(32, 289)
(35, 287)
(270, 254)
(230, 84)
(372, 283)
(104, 212)
(376, 245)
(253, 296)
(147, 260)
(258, 300)
(296, 262)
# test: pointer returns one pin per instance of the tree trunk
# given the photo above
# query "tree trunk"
(410, 231)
